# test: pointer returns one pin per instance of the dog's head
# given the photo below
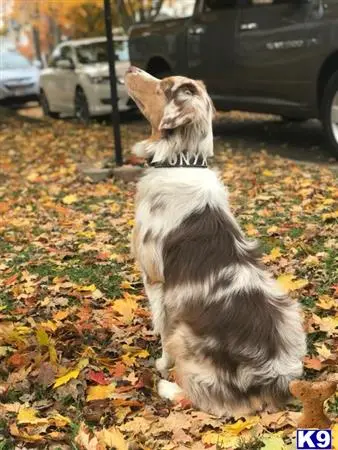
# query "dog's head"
(179, 110)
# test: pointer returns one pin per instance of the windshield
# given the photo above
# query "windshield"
(97, 52)
(13, 61)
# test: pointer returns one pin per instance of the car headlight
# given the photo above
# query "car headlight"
(98, 79)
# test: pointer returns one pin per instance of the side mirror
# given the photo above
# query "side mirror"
(64, 64)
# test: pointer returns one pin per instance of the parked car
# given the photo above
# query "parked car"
(76, 81)
(269, 56)
(19, 78)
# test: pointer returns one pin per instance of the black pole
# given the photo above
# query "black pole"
(112, 79)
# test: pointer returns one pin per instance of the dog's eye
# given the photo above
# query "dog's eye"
(187, 92)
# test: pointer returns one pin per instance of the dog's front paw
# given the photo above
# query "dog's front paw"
(163, 366)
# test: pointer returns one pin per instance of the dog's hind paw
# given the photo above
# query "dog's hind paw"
(168, 390)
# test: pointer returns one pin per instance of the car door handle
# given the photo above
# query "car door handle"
(196, 30)
(249, 26)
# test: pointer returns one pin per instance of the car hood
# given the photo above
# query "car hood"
(18, 74)
(102, 69)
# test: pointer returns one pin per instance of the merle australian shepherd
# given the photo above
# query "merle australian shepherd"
(235, 339)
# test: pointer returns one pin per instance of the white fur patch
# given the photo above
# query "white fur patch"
(168, 390)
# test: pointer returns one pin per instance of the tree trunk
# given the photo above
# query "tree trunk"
(36, 42)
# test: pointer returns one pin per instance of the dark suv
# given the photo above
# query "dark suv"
(270, 56)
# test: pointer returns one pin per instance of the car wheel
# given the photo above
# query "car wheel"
(329, 113)
(45, 106)
(81, 106)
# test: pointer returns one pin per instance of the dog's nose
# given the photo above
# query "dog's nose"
(133, 69)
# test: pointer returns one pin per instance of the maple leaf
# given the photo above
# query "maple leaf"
(69, 199)
(100, 392)
(289, 283)
(273, 255)
(112, 438)
(86, 441)
(29, 415)
(126, 308)
(98, 377)
(327, 302)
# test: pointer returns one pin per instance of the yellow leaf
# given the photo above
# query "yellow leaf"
(112, 438)
(273, 443)
(268, 173)
(290, 284)
(100, 392)
(42, 337)
(272, 230)
(236, 428)
(273, 255)
(311, 261)
(330, 216)
(59, 420)
(125, 285)
(125, 307)
(90, 288)
(69, 199)
(52, 354)
(251, 230)
(67, 377)
(220, 439)
(74, 373)
(14, 430)
(335, 436)
(323, 350)
(28, 416)
(326, 302)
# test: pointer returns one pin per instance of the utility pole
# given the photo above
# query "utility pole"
(112, 80)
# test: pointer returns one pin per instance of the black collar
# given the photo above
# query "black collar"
(180, 160)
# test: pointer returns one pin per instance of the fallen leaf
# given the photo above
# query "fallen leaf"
(273, 443)
(100, 392)
(69, 199)
(326, 302)
(87, 441)
(289, 283)
(112, 438)
(126, 308)
(29, 415)
(65, 378)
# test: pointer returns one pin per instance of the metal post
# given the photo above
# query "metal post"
(112, 78)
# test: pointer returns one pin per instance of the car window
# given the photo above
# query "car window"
(96, 52)
(13, 61)
(211, 5)
(66, 53)
(176, 9)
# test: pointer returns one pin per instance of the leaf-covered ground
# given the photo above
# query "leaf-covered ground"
(76, 347)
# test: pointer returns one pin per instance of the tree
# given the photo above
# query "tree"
(133, 11)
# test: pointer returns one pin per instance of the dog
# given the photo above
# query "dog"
(235, 339)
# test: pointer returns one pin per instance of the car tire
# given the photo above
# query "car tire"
(329, 113)
(43, 100)
(81, 107)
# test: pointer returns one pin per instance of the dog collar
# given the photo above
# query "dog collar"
(180, 160)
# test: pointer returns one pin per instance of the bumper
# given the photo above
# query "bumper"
(19, 93)
(99, 100)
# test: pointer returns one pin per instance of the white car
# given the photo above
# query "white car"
(76, 81)
(19, 79)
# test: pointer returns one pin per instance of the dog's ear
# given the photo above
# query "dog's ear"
(180, 109)
(175, 115)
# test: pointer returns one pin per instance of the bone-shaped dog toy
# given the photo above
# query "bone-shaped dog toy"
(313, 396)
